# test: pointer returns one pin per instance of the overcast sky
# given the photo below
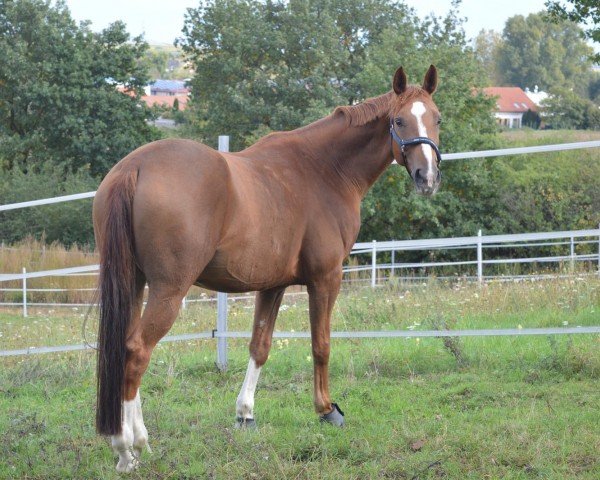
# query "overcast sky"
(161, 22)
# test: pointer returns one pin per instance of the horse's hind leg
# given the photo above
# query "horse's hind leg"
(265, 313)
(133, 429)
(145, 332)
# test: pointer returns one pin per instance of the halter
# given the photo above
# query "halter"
(413, 141)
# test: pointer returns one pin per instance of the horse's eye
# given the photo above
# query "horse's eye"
(438, 121)
(399, 122)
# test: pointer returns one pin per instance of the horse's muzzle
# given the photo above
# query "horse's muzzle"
(427, 184)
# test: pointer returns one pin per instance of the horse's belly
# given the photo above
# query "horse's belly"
(249, 270)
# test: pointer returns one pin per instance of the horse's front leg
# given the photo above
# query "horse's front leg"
(265, 314)
(322, 294)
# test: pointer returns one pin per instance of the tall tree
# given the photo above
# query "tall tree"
(486, 46)
(273, 65)
(59, 101)
(580, 11)
(534, 52)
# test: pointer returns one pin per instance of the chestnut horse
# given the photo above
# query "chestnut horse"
(285, 211)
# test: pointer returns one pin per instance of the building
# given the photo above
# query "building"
(511, 104)
(169, 87)
(537, 96)
(165, 92)
(166, 100)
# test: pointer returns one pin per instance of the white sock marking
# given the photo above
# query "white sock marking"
(418, 110)
(133, 438)
(245, 400)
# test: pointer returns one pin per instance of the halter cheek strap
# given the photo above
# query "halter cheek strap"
(413, 141)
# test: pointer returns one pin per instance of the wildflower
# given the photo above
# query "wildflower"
(520, 327)
(308, 358)
(565, 323)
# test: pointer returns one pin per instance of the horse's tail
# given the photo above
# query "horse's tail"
(117, 299)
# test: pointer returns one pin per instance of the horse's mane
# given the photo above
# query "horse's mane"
(377, 107)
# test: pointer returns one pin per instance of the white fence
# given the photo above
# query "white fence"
(377, 272)
(478, 243)
(568, 239)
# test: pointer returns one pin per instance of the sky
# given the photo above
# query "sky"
(161, 22)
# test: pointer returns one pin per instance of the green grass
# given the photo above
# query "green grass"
(528, 137)
(516, 407)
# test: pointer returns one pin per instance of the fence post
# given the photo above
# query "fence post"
(572, 254)
(222, 328)
(24, 292)
(479, 258)
(393, 263)
(374, 265)
(222, 297)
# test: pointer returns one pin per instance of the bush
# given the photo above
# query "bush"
(70, 223)
(531, 119)
(564, 109)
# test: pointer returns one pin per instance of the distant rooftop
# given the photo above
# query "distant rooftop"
(166, 100)
(511, 99)
(170, 87)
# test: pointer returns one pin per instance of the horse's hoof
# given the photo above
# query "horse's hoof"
(127, 466)
(245, 423)
(335, 417)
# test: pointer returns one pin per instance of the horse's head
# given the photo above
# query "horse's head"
(415, 128)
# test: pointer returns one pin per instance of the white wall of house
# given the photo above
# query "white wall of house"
(509, 120)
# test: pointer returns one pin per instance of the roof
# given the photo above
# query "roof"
(175, 86)
(536, 97)
(510, 99)
(166, 100)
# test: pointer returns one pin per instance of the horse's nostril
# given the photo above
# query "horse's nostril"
(418, 176)
(439, 176)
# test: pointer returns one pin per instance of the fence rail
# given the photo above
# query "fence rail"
(351, 334)
(446, 157)
(479, 243)
(221, 334)
(375, 268)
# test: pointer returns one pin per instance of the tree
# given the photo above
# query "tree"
(580, 11)
(486, 46)
(59, 101)
(67, 223)
(565, 109)
(275, 65)
(165, 61)
(534, 52)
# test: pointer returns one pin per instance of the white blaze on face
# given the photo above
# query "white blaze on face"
(418, 110)
(245, 400)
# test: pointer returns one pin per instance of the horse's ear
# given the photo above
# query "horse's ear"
(431, 79)
(400, 81)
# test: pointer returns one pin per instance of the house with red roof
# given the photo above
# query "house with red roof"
(511, 104)
(165, 92)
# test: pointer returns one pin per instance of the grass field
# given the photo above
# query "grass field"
(510, 407)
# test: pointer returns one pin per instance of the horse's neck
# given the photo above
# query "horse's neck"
(355, 155)
(346, 157)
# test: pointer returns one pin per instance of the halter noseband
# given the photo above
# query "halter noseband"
(413, 141)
